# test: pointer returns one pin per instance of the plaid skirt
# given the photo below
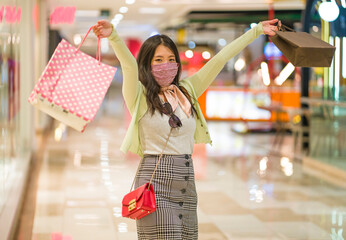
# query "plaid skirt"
(176, 198)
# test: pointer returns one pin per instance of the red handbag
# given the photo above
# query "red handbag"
(141, 201)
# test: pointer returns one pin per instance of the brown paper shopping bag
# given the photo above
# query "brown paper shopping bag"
(303, 49)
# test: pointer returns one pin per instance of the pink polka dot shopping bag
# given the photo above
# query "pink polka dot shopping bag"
(73, 85)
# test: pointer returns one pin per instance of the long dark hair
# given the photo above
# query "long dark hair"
(144, 58)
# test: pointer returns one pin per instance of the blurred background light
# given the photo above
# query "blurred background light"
(315, 28)
(343, 3)
(265, 73)
(329, 11)
(271, 51)
(206, 55)
(104, 45)
(147, 10)
(130, 1)
(222, 42)
(284, 74)
(77, 39)
(118, 16)
(123, 9)
(286, 166)
(239, 64)
(189, 54)
(191, 44)
(252, 25)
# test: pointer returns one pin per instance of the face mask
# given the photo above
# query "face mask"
(164, 73)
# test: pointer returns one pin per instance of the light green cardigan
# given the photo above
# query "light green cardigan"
(134, 91)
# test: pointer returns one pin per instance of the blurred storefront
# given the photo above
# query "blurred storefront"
(324, 89)
(266, 88)
(22, 42)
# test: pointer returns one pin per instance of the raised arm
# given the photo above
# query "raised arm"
(127, 61)
(206, 75)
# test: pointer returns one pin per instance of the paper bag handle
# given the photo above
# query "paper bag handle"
(98, 57)
(98, 52)
(284, 28)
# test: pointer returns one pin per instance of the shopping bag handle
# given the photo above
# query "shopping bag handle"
(98, 57)
(284, 28)
(98, 52)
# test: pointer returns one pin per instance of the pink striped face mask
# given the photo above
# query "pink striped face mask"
(164, 73)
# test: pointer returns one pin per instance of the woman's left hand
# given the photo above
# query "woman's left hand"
(269, 27)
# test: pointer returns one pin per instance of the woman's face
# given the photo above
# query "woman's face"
(163, 55)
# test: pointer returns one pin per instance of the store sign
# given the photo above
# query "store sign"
(63, 15)
(10, 14)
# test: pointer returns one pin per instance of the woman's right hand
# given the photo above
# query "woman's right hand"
(103, 29)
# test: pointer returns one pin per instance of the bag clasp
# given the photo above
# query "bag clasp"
(132, 205)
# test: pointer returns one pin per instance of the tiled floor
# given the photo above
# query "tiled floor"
(245, 191)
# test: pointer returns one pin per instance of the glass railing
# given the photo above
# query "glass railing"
(327, 131)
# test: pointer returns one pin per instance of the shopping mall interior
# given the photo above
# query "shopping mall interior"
(276, 168)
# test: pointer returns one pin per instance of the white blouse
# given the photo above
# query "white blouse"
(154, 130)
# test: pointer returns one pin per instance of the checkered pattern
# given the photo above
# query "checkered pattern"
(74, 81)
(176, 199)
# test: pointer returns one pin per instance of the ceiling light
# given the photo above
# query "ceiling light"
(118, 17)
(344, 57)
(315, 28)
(284, 74)
(123, 9)
(191, 44)
(343, 3)
(239, 64)
(206, 55)
(189, 54)
(337, 69)
(87, 13)
(77, 39)
(252, 25)
(329, 11)
(115, 22)
(265, 73)
(222, 42)
(130, 1)
(146, 10)
(331, 69)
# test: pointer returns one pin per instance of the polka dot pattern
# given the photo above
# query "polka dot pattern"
(75, 81)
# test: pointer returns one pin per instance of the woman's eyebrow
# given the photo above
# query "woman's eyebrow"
(160, 56)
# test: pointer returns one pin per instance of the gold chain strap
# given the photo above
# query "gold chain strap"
(157, 164)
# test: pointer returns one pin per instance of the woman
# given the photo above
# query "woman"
(166, 117)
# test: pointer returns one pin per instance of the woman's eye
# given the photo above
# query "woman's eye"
(172, 60)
